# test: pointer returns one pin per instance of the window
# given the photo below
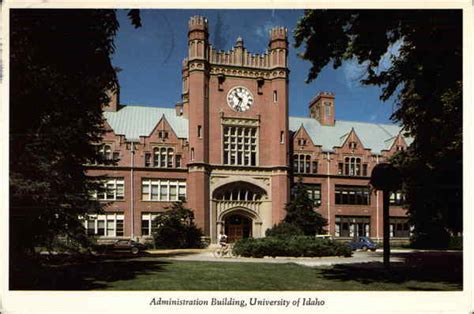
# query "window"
(352, 145)
(399, 227)
(302, 164)
(163, 157)
(147, 223)
(106, 152)
(109, 225)
(282, 137)
(327, 109)
(397, 198)
(163, 135)
(192, 153)
(352, 195)
(199, 131)
(301, 142)
(240, 146)
(111, 190)
(147, 160)
(163, 190)
(275, 96)
(352, 166)
(352, 226)
(177, 161)
(314, 193)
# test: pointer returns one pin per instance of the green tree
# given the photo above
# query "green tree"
(175, 228)
(425, 79)
(300, 212)
(60, 71)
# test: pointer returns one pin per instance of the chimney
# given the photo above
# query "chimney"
(321, 108)
(114, 99)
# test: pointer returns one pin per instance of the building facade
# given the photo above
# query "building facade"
(233, 153)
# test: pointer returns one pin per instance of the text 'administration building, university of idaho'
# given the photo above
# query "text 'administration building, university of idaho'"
(232, 152)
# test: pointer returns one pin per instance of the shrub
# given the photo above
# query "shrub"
(295, 246)
(284, 230)
(175, 229)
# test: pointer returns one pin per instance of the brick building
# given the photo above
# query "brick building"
(232, 151)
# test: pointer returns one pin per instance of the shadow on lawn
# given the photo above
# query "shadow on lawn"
(430, 267)
(85, 274)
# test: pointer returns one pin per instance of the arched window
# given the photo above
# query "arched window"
(163, 157)
(106, 152)
(302, 163)
(353, 167)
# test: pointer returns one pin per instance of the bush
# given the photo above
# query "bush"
(284, 230)
(295, 246)
(175, 229)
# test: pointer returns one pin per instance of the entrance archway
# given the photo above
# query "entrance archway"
(237, 227)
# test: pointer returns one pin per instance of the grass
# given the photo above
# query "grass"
(165, 274)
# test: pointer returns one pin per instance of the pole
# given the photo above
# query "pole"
(386, 229)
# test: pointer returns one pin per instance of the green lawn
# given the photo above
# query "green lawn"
(165, 274)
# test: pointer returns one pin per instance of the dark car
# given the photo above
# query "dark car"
(125, 246)
(363, 243)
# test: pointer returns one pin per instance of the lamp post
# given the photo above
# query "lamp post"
(387, 178)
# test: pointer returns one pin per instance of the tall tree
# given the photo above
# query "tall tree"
(300, 212)
(425, 78)
(60, 72)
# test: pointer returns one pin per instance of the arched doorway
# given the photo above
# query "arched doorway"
(237, 227)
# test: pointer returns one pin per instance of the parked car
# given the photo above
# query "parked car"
(363, 243)
(124, 245)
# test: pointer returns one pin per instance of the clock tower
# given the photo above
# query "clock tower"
(237, 106)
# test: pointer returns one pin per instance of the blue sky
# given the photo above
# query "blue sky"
(150, 58)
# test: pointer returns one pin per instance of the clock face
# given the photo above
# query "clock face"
(240, 99)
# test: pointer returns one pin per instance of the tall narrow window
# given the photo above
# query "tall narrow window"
(178, 161)
(199, 129)
(315, 167)
(275, 96)
(282, 137)
(192, 153)
(327, 108)
(147, 159)
(240, 146)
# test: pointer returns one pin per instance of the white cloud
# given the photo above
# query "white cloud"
(264, 30)
(354, 72)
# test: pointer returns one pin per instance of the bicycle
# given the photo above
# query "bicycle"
(223, 251)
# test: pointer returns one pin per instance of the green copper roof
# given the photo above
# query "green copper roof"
(136, 121)
(376, 137)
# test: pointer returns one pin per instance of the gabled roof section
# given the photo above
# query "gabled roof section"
(136, 121)
(302, 133)
(373, 136)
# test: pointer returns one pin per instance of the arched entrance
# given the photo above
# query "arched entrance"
(237, 227)
(237, 210)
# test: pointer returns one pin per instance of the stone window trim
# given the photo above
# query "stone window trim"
(353, 166)
(352, 226)
(352, 195)
(162, 157)
(105, 225)
(304, 163)
(163, 190)
(113, 190)
(240, 142)
(146, 223)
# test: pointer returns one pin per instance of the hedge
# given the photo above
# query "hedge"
(297, 246)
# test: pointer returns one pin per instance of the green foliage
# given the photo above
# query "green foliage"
(296, 246)
(175, 229)
(60, 69)
(283, 230)
(300, 212)
(424, 77)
